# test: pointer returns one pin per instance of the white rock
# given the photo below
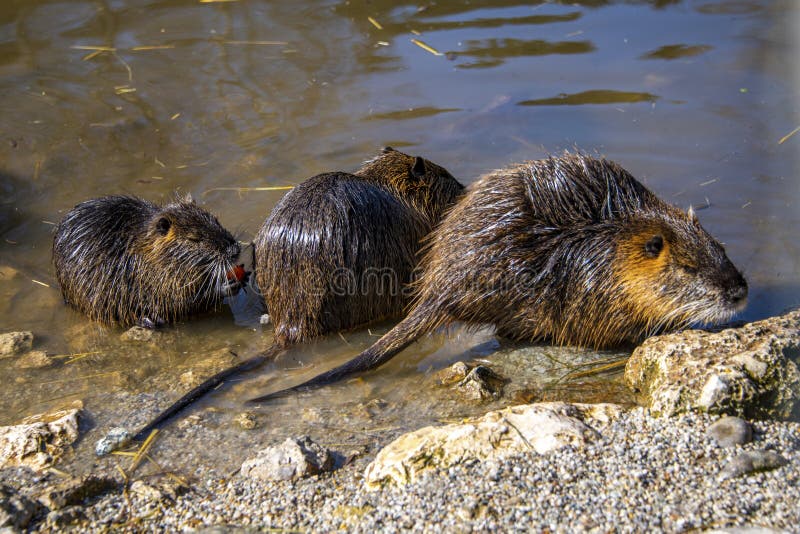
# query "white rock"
(294, 458)
(536, 428)
(40, 439)
(14, 343)
(747, 371)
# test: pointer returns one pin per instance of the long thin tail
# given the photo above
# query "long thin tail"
(383, 350)
(205, 387)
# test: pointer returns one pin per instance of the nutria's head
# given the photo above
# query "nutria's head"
(427, 186)
(185, 240)
(673, 273)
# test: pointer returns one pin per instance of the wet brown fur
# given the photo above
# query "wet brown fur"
(121, 259)
(569, 249)
(338, 251)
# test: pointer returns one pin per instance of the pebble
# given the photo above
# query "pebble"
(13, 343)
(35, 359)
(730, 431)
(16, 510)
(138, 334)
(114, 439)
(752, 462)
(294, 458)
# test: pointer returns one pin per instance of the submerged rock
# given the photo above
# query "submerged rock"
(476, 383)
(39, 440)
(748, 371)
(294, 458)
(534, 428)
(215, 362)
(139, 334)
(35, 359)
(13, 343)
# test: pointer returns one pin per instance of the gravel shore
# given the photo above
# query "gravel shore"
(643, 474)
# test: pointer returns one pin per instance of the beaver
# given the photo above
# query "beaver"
(122, 259)
(569, 249)
(339, 249)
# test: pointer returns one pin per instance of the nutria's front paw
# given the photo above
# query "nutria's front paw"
(150, 324)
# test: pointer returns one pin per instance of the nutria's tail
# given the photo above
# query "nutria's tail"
(205, 387)
(108, 443)
(398, 338)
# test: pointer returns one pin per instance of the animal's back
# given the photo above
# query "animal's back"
(336, 252)
(100, 232)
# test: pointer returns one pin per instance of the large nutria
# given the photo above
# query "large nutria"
(338, 250)
(121, 259)
(569, 249)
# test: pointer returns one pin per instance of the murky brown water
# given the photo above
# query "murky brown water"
(149, 97)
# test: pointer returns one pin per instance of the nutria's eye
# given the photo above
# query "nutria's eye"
(653, 246)
(163, 225)
(418, 170)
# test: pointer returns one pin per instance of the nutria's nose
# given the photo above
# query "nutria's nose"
(738, 290)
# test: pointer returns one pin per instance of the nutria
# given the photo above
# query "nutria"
(569, 249)
(121, 259)
(339, 249)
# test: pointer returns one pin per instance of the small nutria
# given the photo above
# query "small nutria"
(339, 249)
(569, 249)
(121, 259)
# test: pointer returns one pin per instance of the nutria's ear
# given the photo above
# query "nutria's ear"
(418, 170)
(163, 225)
(387, 149)
(691, 214)
(654, 246)
(187, 198)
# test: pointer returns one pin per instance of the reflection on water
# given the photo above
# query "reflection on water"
(147, 97)
(599, 96)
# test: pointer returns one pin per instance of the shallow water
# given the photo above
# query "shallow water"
(692, 97)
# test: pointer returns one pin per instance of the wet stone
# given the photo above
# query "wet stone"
(13, 343)
(752, 462)
(66, 517)
(76, 491)
(294, 458)
(246, 420)
(16, 510)
(453, 374)
(116, 438)
(35, 359)
(371, 408)
(163, 490)
(730, 431)
(39, 440)
(216, 361)
(138, 334)
(475, 383)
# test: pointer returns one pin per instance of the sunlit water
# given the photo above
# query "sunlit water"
(149, 98)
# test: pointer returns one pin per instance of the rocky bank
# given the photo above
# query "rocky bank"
(714, 446)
